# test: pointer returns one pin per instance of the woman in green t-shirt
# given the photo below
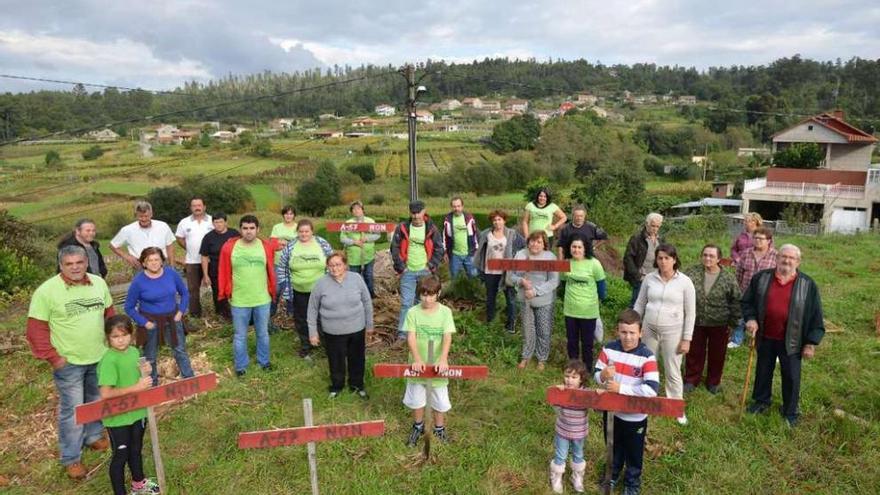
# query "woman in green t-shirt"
(120, 372)
(304, 259)
(542, 214)
(584, 288)
(282, 233)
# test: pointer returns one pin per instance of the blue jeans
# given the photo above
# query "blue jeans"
(738, 333)
(561, 446)
(457, 262)
(408, 296)
(366, 272)
(76, 384)
(151, 350)
(240, 319)
(635, 294)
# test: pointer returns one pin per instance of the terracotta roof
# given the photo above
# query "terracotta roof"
(838, 125)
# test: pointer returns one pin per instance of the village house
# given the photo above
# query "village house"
(104, 135)
(449, 105)
(517, 105)
(844, 191)
(385, 110)
(586, 99)
(565, 107)
(686, 100)
(364, 122)
(223, 136)
(327, 134)
(601, 112)
(543, 115)
(472, 103)
(281, 124)
(424, 117)
(490, 105)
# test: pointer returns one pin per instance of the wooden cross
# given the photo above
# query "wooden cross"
(309, 435)
(386, 370)
(510, 264)
(93, 411)
(613, 402)
(370, 228)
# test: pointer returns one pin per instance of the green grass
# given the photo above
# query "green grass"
(266, 196)
(502, 429)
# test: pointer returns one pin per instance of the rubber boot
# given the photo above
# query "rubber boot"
(577, 475)
(556, 473)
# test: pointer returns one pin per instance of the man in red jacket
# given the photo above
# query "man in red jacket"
(246, 277)
(65, 327)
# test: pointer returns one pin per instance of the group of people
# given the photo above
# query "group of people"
(675, 312)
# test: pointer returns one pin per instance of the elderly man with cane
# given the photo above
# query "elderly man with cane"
(783, 313)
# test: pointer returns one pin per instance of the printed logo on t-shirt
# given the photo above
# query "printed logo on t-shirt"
(542, 215)
(431, 332)
(308, 258)
(498, 248)
(461, 227)
(250, 260)
(84, 305)
(637, 372)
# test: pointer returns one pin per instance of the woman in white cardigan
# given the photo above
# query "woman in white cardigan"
(667, 303)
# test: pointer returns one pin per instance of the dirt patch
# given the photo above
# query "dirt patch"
(611, 260)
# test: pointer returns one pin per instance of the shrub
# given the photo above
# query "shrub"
(518, 168)
(518, 133)
(263, 148)
(314, 197)
(53, 159)
(25, 257)
(799, 155)
(377, 199)
(92, 153)
(170, 203)
(118, 220)
(17, 271)
(347, 179)
(366, 171)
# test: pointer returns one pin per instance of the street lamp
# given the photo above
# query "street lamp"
(414, 91)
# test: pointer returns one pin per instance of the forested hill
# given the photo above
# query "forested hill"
(788, 85)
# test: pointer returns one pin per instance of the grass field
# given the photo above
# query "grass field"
(502, 430)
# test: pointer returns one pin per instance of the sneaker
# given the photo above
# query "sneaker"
(689, 387)
(361, 393)
(602, 484)
(441, 435)
(240, 373)
(76, 471)
(334, 394)
(757, 408)
(791, 421)
(510, 330)
(149, 488)
(414, 435)
(713, 389)
(631, 490)
(304, 353)
(268, 367)
(682, 420)
(732, 345)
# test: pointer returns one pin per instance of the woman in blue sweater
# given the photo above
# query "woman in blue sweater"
(152, 302)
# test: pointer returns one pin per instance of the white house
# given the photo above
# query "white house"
(385, 110)
(424, 117)
(516, 105)
(223, 136)
(449, 105)
(586, 99)
(844, 191)
(103, 135)
(472, 103)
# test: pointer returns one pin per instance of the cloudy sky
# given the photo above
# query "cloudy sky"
(158, 44)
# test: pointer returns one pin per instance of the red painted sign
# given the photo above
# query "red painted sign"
(725, 262)
(306, 434)
(508, 264)
(610, 401)
(372, 228)
(386, 370)
(94, 411)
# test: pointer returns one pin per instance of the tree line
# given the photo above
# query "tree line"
(741, 95)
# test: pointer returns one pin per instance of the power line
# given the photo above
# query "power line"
(95, 85)
(202, 108)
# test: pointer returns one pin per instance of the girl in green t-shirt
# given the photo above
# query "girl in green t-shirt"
(120, 372)
(584, 288)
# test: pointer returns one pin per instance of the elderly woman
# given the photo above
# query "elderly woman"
(667, 303)
(304, 257)
(498, 242)
(341, 306)
(152, 302)
(536, 291)
(718, 308)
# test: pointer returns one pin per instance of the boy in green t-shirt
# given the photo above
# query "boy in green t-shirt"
(427, 325)
(120, 372)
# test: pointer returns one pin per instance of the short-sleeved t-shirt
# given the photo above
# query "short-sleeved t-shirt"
(581, 293)
(460, 237)
(307, 263)
(281, 231)
(249, 278)
(136, 238)
(212, 243)
(417, 255)
(541, 218)
(495, 251)
(120, 369)
(192, 232)
(359, 255)
(429, 327)
(75, 314)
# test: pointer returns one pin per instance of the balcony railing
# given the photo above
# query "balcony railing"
(829, 191)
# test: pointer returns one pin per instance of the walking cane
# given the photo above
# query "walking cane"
(742, 400)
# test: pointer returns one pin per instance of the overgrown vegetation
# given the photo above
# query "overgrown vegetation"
(171, 203)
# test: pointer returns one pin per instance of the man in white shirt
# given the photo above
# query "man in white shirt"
(190, 232)
(143, 233)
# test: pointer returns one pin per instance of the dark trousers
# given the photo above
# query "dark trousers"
(790, 369)
(713, 340)
(635, 294)
(581, 334)
(194, 284)
(127, 443)
(221, 307)
(366, 271)
(299, 307)
(494, 284)
(629, 448)
(346, 351)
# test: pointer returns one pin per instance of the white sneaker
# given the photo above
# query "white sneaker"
(682, 420)
(732, 345)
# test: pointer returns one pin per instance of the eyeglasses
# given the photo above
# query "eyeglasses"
(760, 238)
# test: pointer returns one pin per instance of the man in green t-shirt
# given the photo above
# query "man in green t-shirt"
(360, 247)
(247, 278)
(416, 251)
(460, 239)
(65, 327)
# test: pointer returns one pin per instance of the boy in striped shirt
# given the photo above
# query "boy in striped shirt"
(626, 366)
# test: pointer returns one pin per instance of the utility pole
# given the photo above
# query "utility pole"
(409, 72)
